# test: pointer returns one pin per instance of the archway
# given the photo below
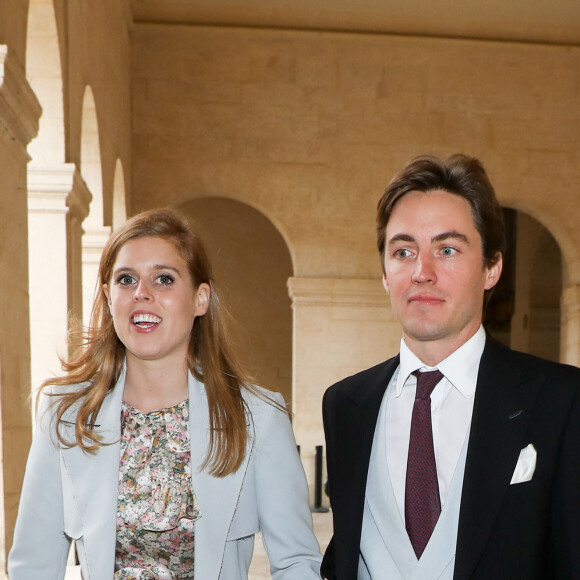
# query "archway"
(95, 233)
(252, 265)
(524, 310)
(49, 184)
(43, 69)
(119, 198)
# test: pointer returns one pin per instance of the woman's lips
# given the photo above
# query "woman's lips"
(145, 320)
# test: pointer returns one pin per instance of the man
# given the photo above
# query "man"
(459, 458)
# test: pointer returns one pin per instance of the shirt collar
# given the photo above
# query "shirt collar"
(460, 368)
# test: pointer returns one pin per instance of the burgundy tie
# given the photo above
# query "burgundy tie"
(422, 501)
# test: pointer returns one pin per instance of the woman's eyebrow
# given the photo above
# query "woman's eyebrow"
(153, 267)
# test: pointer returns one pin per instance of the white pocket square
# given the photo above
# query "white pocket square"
(526, 465)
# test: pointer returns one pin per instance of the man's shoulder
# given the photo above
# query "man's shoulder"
(530, 364)
(379, 374)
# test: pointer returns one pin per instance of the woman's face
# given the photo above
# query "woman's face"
(153, 301)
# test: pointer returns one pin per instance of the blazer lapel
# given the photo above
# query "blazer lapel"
(217, 497)
(94, 482)
(351, 422)
(501, 414)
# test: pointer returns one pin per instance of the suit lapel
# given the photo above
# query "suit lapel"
(217, 496)
(351, 424)
(501, 414)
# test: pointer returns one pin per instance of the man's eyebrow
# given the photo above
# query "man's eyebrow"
(453, 235)
(401, 238)
(450, 235)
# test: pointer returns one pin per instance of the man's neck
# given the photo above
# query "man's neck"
(432, 352)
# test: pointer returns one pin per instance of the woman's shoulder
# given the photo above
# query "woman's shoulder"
(50, 396)
(260, 399)
(58, 390)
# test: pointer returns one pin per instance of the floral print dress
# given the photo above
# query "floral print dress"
(156, 506)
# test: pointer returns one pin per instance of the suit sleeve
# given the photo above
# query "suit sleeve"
(566, 500)
(40, 547)
(328, 566)
(282, 497)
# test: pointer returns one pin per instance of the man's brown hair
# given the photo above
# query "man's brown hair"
(459, 175)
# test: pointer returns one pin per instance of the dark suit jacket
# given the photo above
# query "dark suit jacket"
(525, 531)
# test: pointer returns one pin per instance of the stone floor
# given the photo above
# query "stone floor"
(260, 569)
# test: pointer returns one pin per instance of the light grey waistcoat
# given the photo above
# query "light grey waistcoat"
(386, 551)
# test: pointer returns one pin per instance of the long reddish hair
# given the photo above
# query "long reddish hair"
(95, 367)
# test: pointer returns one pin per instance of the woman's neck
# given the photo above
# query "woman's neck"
(150, 386)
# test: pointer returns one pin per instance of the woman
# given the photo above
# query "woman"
(154, 453)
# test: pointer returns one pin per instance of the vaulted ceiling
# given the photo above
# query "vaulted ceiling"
(555, 21)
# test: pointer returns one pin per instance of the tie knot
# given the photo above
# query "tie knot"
(426, 383)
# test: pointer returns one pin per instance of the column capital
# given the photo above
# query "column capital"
(337, 292)
(58, 189)
(19, 107)
(96, 237)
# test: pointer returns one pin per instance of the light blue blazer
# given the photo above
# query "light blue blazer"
(71, 495)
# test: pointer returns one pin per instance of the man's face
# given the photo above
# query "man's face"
(434, 270)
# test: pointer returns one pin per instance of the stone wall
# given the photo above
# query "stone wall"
(303, 128)
(50, 52)
(309, 127)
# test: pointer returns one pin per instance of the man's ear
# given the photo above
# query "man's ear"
(494, 272)
(386, 284)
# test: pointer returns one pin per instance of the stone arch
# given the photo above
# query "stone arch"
(44, 71)
(119, 197)
(48, 189)
(91, 167)
(57, 203)
(525, 310)
(95, 233)
(252, 265)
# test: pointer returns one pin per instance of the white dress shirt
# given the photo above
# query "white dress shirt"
(451, 411)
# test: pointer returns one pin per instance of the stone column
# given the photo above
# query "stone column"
(94, 240)
(570, 325)
(19, 114)
(58, 202)
(340, 326)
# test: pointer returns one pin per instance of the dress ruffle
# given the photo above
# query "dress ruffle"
(157, 507)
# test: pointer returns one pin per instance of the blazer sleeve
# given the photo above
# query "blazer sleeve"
(282, 498)
(566, 499)
(40, 547)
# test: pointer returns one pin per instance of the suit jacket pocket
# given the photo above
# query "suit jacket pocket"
(529, 495)
(245, 521)
(244, 524)
(73, 525)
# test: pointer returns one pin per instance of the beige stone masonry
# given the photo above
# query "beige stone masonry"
(58, 202)
(341, 326)
(19, 114)
(570, 330)
(94, 241)
(19, 107)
